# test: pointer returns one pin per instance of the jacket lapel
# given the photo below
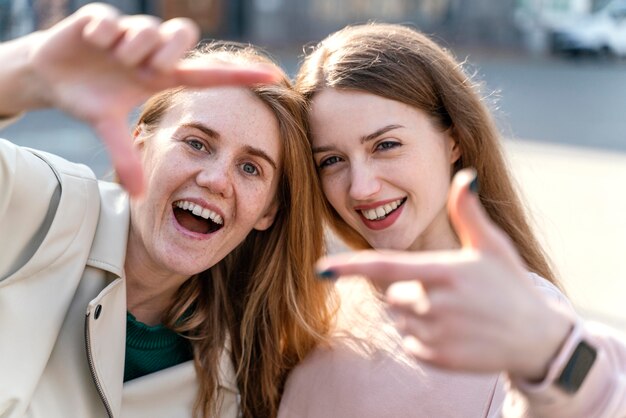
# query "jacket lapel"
(105, 321)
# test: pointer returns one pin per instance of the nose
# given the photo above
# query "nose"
(364, 182)
(217, 177)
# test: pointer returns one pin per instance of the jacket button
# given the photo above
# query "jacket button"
(96, 314)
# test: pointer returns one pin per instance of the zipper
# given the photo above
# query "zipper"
(92, 368)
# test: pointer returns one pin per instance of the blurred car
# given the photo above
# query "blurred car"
(599, 33)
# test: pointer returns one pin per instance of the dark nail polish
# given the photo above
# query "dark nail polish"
(474, 185)
(326, 274)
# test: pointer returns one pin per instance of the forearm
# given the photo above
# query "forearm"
(19, 89)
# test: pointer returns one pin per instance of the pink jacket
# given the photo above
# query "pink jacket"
(364, 373)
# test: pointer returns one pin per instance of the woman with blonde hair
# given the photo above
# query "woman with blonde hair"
(392, 118)
(196, 294)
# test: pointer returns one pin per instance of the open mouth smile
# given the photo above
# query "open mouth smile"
(381, 212)
(196, 218)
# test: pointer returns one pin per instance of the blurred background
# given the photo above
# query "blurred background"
(553, 71)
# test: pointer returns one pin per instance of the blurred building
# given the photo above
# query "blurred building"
(286, 22)
(276, 23)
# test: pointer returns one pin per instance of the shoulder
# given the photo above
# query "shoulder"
(363, 372)
(44, 197)
(28, 167)
(550, 291)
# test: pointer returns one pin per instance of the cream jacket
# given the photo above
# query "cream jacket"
(63, 300)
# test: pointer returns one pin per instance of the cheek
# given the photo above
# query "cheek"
(169, 172)
(333, 188)
(257, 198)
(437, 191)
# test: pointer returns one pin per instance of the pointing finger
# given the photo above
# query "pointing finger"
(384, 268)
(197, 74)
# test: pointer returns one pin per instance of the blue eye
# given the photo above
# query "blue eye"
(326, 162)
(385, 145)
(195, 144)
(250, 169)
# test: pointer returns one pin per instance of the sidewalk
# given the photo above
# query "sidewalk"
(577, 197)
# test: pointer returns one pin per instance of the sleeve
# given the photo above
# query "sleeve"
(49, 210)
(602, 393)
(29, 193)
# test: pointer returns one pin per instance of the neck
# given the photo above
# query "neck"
(438, 236)
(149, 289)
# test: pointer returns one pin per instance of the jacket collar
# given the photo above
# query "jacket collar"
(108, 250)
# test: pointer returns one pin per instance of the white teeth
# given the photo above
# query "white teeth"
(382, 211)
(199, 211)
(370, 214)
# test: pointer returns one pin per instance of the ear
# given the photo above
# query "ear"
(268, 218)
(139, 137)
(454, 148)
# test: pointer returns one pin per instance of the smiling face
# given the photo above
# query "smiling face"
(212, 167)
(385, 168)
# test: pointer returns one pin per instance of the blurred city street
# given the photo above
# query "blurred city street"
(567, 144)
(576, 198)
(565, 135)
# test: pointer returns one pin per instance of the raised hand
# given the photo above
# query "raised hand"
(473, 309)
(97, 66)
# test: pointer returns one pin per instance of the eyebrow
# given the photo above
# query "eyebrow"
(249, 149)
(199, 126)
(363, 140)
(379, 132)
(262, 154)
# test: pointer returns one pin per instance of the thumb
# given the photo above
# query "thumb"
(470, 220)
(114, 133)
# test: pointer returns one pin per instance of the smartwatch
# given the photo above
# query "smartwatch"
(577, 367)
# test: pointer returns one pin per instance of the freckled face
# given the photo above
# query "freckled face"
(212, 168)
(385, 168)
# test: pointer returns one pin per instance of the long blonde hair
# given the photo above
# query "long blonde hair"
(263, 297)
(402, 64)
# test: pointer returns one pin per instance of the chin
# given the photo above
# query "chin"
(391, 244)
(185, 267)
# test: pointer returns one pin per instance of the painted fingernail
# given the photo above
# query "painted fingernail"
(326, 274)
(474, 185)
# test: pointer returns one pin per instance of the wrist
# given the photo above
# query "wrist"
(568, 369)
(19, 87)
(552, 333)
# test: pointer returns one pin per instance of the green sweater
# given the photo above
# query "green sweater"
(152, 348)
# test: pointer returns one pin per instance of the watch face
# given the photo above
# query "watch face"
(577, 367)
